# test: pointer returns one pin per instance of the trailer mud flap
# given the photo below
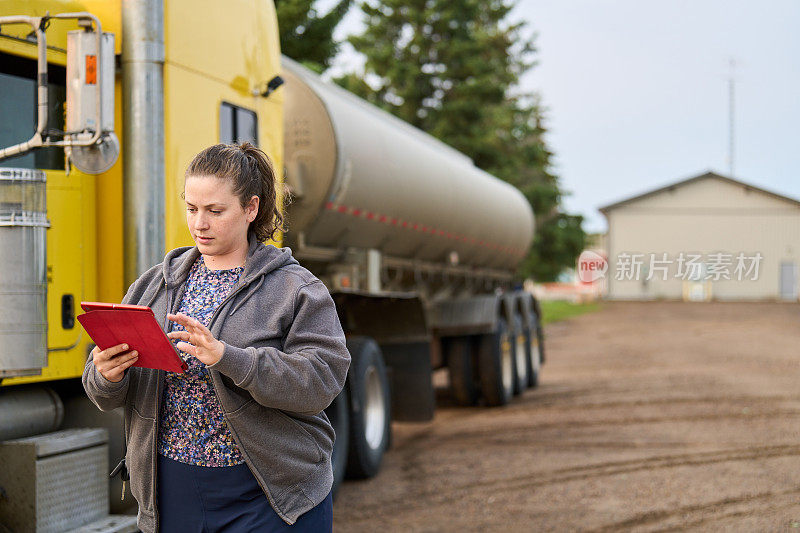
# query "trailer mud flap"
(410, 380)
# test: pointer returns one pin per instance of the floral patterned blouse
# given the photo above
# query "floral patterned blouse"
(192, 428)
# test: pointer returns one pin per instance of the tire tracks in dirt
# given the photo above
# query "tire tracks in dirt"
(649, 402)
(533, 480)
(680, 513)
(518, 431)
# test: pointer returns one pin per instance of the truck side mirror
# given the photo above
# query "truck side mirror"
(89, 142)
(90, 102)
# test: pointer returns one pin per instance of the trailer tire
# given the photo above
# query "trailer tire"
(338, 413)
(537, 309)
(496, 365)
(370, 408)
(519, 346)
(461, 364)
(535, 351)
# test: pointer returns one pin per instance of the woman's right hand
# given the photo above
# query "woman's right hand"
(113, 362)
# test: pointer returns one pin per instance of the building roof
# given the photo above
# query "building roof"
(708, 175)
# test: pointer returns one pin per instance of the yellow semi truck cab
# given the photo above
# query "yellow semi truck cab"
(93, 148)
(214, 63)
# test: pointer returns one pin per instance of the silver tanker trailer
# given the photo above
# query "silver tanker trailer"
(418, 247)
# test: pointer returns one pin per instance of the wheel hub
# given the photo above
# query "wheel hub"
(507, 363)
(374, 409)
(522, 366)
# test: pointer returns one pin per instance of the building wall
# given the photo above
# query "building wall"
(703, 217)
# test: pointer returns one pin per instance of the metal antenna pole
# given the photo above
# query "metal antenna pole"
(731, 91)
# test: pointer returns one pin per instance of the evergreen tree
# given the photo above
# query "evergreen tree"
(450, 67)
(305, 35)
(432, 60)
(559, 237)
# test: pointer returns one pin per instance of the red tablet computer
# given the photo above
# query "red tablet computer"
(135, 325)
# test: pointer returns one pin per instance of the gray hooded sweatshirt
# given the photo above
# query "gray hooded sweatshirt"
(285, 360)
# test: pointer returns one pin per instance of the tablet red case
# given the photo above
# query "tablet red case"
(135, 325)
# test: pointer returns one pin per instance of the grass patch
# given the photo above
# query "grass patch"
(553, 311)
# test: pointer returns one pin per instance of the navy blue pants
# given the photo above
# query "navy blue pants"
(203, 499)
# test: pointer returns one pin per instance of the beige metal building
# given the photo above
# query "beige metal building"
(707, 237)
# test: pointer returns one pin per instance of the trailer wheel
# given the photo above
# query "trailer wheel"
(535, 354)
(461, 364)
(338, 412)
(539, 330)
(370, 414)
(496, 365)
(520, 347)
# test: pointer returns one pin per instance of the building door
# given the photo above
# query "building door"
(789, 281)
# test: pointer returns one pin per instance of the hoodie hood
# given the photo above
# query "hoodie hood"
(261, 260)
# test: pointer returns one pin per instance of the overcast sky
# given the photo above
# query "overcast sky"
(637, 93)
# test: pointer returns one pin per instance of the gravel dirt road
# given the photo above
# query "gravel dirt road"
(650, 417)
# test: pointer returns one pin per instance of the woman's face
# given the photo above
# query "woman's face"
(215, 217)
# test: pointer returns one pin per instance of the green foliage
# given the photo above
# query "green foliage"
(556, 310)
(433, 60)
(306, 36)
(558, 241)
(450, 67)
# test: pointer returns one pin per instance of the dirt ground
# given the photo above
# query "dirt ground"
(649, 417)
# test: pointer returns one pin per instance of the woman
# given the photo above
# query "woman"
(239, 442)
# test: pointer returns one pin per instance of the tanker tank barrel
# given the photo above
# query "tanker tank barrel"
(365, 179)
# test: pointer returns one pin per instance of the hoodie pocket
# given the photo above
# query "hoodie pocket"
(282, 450)
(140, 460)
(145, 391)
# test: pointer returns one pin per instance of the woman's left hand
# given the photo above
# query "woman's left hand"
(197, 339)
